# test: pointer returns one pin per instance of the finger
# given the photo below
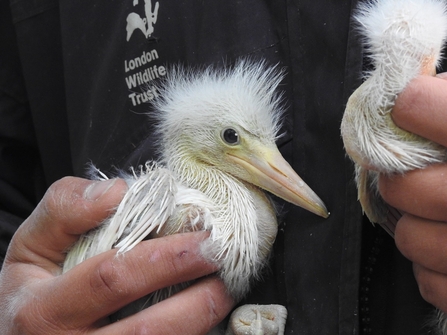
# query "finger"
(422, 108)
(423, 242)
(432, 286)
(70, 207)
(192, 311)
(104, 283)
(422, 193)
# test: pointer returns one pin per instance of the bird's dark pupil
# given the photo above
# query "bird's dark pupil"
(230, 136)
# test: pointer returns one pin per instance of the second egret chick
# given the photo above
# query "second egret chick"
(404, 39)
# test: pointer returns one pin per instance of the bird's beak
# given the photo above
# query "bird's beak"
(270, 171)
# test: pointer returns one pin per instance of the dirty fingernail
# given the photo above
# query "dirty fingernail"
(95, 190)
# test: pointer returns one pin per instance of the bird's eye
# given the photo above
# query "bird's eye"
(230, 136)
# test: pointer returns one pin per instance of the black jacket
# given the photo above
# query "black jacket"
(76, 81)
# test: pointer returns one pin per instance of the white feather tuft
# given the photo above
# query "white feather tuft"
(403, 33)
(245, 95)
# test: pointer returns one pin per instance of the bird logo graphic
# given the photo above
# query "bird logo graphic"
(146, 24)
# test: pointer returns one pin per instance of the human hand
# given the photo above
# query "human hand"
(35, 298)
(421, 233)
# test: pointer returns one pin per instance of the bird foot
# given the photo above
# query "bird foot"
(257, 320)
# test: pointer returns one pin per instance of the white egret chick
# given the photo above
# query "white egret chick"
(217, 132)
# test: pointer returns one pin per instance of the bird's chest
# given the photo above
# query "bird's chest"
(239, 208)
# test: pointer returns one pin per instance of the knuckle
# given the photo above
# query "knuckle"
(427, 286)
(107, 281)
(213, 302)
(403, 242)
(426, 290)
(214, 313)
(53, 202)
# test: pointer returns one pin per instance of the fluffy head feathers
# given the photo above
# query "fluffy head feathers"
(401, 31)
(242, 96)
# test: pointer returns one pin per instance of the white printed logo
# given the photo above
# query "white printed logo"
(146, 25)
(143, 68)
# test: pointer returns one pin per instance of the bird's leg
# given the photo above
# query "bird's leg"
(257, 324)
(257, 320)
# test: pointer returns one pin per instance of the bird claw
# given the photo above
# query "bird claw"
(258, 320)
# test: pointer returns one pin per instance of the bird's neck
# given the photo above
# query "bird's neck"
(395, 67)
(244, 227)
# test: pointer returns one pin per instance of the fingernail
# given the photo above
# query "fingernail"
(95, 190)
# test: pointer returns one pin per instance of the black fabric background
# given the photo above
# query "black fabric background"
(67, 105)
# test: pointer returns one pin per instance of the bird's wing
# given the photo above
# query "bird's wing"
(146, 206)
(372, 203)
